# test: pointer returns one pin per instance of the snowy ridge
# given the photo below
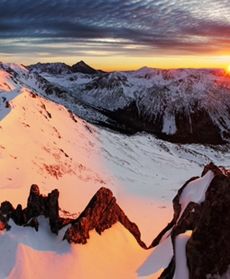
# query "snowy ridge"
(42, 141)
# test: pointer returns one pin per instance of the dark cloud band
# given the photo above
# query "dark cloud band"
(134, 25)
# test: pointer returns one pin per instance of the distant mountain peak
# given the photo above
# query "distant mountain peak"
(84, 68)
(51, 68)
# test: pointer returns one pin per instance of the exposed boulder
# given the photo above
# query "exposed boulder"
(6, 208)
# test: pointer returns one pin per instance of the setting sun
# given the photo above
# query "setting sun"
(228, 69)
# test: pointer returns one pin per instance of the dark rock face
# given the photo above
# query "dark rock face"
(53, 210)
(100, 214)
(35, 202)
(208, 248)
(42, 205)
(19, 216)
(190, 129)
(177, 211)
(37, 205)
(82, 67)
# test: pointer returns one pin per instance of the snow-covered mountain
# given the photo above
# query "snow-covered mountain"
(43, 142)
(184, 105)
(62, 68)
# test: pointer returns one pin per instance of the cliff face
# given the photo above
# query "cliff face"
(207, 219)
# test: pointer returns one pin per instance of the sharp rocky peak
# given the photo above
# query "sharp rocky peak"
(100, 214)
(84, 68)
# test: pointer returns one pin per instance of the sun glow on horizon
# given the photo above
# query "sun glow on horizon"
(228, 69)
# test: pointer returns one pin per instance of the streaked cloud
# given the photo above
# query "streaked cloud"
(110, 27)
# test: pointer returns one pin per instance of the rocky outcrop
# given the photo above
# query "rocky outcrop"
(100, 214)
(208, 218)
(37, 205)
(208, 248)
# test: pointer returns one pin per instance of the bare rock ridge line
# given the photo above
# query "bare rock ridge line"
(60, 68)
(100, 214)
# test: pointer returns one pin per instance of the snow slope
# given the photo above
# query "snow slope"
(32, 254)
(42, 142)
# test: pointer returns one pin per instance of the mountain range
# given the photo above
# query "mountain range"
(183, 105)
(47, 138)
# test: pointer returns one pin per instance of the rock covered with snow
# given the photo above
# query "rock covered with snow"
(208, 248)
(200, 227)
(50, 68)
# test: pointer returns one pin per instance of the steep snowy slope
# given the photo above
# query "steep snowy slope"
(42, 142)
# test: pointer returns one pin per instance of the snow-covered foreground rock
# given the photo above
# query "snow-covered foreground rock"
(200, 233)
(42, 142)
(195, 244)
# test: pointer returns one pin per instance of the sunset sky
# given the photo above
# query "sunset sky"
(116, 34)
